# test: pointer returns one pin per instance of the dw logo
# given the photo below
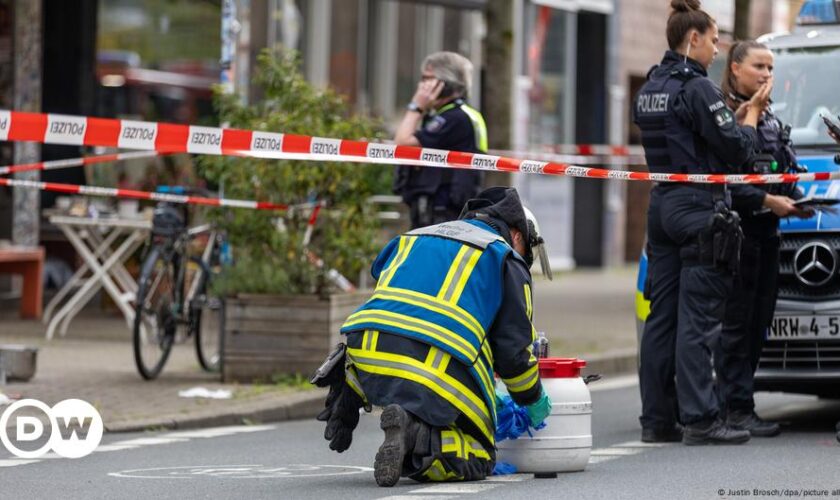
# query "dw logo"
(75, 428)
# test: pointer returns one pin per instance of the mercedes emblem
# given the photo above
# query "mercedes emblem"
(814, 263)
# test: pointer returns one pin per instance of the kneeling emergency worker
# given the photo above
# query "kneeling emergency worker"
(693, 236)
(452, 305)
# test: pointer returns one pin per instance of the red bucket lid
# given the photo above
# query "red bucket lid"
(561, 367)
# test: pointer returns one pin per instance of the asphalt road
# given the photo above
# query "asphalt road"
(291, 460)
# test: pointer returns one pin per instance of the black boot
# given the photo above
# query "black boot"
(749, 421)
(673, 434)
(716, 432)
(397, 424)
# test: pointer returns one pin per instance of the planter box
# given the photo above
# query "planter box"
(268, 335)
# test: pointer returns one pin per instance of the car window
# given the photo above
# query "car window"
(806, 87)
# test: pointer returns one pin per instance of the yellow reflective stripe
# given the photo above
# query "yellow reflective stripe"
(353, 381)
(406, 242)
(453, 441)
(520, 377)
(453, 271)
(642, 306)
(475, 448)
(438, 359)
(431, 303)
(528, 306)
(369, 339)
(479, 126)
(472, 258)
(529, 311)
(437, 472)
(417, 325)
(523, 382)
(445, 386)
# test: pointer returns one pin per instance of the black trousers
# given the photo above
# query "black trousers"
(687, 308)
(749, 313)
(424, 211)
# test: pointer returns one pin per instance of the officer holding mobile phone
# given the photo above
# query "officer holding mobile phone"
(438, 117)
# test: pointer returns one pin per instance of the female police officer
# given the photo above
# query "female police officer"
(749, 310)
(693, 237)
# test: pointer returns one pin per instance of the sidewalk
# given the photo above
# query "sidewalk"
(587, 314)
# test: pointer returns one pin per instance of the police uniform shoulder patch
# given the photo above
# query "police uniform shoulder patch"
(724, 118)
(435, 124)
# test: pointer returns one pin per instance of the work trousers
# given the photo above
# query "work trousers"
(748, 315)
(687, 309)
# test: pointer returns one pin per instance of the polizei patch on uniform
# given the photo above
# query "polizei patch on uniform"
(724, 118)
(435, 124)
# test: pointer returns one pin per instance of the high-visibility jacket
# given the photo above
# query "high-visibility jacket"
(441, 285)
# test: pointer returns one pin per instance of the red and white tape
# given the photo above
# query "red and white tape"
(621, 160)
(145, 195)
(77, 162)
(170, 138)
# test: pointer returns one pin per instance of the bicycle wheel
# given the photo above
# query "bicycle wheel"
(154, 321)
(206, 324)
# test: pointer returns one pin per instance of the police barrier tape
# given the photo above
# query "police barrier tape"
(172, 138)
(77, 162)
(594, 159)
(146, 195)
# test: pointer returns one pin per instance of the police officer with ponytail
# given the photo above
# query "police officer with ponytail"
(693, 235)
(749, 310)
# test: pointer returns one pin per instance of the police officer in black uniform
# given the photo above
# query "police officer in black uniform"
(749, 310)
(438, 117)
(693, 236)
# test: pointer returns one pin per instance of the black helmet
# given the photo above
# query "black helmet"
(168, 220)
(501, 207)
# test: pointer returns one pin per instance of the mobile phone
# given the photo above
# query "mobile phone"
(450, 89)
(833, 127)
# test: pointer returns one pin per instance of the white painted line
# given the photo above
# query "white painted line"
(620, 452)
(219, 431)
(151, 441)
(639, 444)
(12, 462)
(456, 488)
(609, 384)
(509, 478)
(115, 447)
(598, 460)
(417, 497)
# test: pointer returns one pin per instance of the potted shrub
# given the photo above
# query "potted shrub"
(282, 312)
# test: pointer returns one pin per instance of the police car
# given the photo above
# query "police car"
(802, 352)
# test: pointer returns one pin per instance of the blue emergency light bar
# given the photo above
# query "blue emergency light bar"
(819, 12)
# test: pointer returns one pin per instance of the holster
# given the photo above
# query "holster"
(720, 242)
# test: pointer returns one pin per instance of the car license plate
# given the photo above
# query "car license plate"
(804, 327)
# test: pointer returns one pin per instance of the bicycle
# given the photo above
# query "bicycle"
(169, 296)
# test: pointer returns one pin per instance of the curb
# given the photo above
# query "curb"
(295, 406)
(612, 363)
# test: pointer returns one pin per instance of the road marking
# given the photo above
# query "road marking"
(241, 471)
(417, 497)
(508, 478)
(639, 444)
(12, 462)
(621, 452)
(455, 488)
(151, 441)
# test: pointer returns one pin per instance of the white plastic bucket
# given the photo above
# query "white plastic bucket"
(565, 443)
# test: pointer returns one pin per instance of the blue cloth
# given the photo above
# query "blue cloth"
(512, 420)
